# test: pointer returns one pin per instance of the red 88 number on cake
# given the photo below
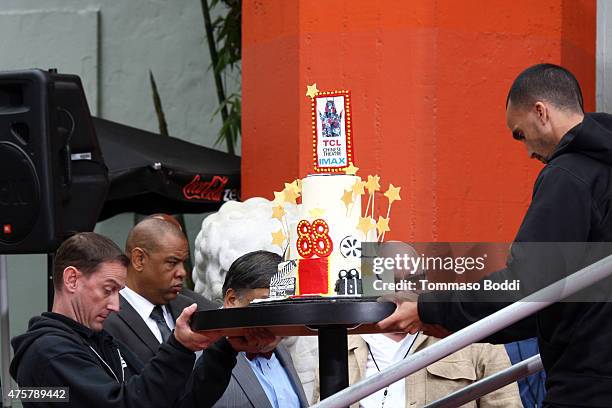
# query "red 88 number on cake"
(313, 239)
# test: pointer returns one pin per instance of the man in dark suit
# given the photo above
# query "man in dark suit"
(266, 379)
(151, 302)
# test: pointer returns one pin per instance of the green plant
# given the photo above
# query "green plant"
(159, 110)
(224, 36)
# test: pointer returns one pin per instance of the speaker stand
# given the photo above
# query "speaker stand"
(4, 332)
(50, 289)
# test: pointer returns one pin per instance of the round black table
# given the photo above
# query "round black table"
(331, 319)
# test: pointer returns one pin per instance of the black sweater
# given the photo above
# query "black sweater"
(58, 351)
(571, 202)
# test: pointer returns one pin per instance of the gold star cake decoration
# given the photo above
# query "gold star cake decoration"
(382, 225)
(295, 186)
(290, 195)
(372, 185)
(358, 187)
(351, 169)
(312, 90)
(278, 212)
(278, 238)
(279, 197)
(347, 197)
(393, 193)
(365, 225)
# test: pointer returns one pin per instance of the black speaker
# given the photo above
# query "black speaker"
(53, 180)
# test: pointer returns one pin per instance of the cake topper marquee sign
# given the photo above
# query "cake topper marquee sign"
(332, 138)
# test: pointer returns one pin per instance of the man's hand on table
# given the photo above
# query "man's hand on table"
(194, 341)
(406, 318)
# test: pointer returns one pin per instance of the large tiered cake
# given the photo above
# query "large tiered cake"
(323, 248)
(323, 256)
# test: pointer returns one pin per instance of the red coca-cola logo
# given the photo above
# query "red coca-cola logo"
(205, 190)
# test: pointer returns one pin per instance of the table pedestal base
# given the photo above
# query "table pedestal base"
(333, 359)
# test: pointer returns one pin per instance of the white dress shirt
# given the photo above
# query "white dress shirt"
(144, 309)
(386, 351)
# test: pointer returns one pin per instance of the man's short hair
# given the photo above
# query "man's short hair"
(546, 82)
(86, 251)
(251, 271)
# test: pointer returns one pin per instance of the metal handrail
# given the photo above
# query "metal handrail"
(489, 384)
(472, 333)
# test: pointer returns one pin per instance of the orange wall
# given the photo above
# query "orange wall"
(429, 82)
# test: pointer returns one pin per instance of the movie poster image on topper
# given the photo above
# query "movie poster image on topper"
(332, 131)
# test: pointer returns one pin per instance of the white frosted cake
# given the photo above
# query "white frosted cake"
(324, 252)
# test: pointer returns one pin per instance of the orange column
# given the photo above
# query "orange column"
(271, 96)
(429, 82)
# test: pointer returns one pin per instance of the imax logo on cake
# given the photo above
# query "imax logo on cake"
(334, 161)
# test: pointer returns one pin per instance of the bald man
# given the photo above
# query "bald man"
(151, 300)
(203, 303)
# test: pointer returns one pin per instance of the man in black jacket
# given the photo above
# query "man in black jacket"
(69, 348)
(571, 203)
(150, 301)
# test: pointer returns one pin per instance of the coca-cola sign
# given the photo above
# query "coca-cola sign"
(211, 190)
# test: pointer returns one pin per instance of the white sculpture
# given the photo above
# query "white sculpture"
(236, 229)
